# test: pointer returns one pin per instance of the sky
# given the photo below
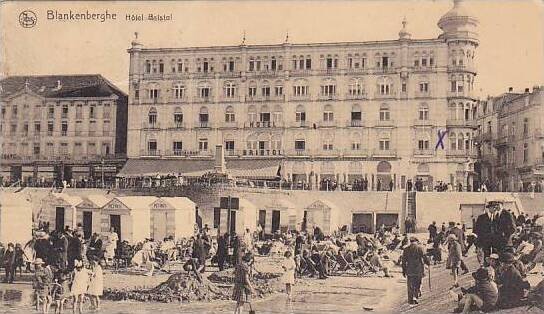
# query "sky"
(511, 51)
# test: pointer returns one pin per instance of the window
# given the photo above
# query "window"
(152, 146)
(385, 114)
(308, 63)
(328, 114)
(384, 144)
(78, 151)
(64, 129)
(25, 129)
(525, 126)
(229, 114)
(278, 90)
(203, 144)
(154, 93)
(147, 66)
(300, 114)
(204, 91)
(355, 87)
(403, 87)
(179, 91)
(231, 66)
(424, 87)
(230, 90)
(423, 144)
(92, 128)
(356, 115)
(152, 116)
(37, 128)
(300, 145)
(161, 66)
(265, 114)
(178, 117)
(3, 112)
(301, 88)
(92, 111)
(79, 111)
(328, 142)
(265, 90)
(50, 112)
(14, 111)
(36, 150)
(50, 128)
(203, 117)
(63, 149)
(424, 113)
(106, 111)
(385, 86)
(328, 88)
(252, 89)
(177, 147)
(180, 66)
(106, 128)
(78, 128)
(229, 145)
(64, 113)
(525, 152)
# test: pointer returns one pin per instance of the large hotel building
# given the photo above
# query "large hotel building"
(387, 111)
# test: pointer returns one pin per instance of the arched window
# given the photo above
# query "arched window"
(229, 114)
(468, 141)
(356, 140)
(385, 114)
(300, 114)
(301, 87)
(252, 113)
(203, 117)
(251, 142)
(383, 167)
(229, 89)
(178, 117)
(300, 142)
(328, 141)
(460, 141)
(328, 114)
(467, 112)
(385, 85)
(264, 115)
(277, 115)
(328, 87)
(453, 140)
(152, 116)
(356, 86)
(423, 141)
(154, 91)
(204, 90)
(265, 89)
(252, 89)
(423, 112)
(384, 142)
(278, 88)
(179, 91)
(276, 142)
(356, 115)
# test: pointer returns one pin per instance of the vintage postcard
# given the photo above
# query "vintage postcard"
(295, 156)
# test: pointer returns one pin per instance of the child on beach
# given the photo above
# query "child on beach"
(96, 283)
(79, 285)
(288, 277)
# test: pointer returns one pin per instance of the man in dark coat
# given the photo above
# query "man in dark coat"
(75, 250)
(95, 248)
(505, 226)
(511, 284)
(413, 260)
(432, 231)
(60, 246)
(483, 228)
(8, 261)
(199, 252)
(43, 247)
(222, 250)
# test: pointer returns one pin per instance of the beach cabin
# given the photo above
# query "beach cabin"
(234, 215)
(277, 215)
(15, 218)
(88, 213)
(323, 214)
(172, 216)
(61, 210)
(129, 216)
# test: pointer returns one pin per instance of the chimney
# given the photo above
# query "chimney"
(219, 162)
(510, 89)
(527, 90)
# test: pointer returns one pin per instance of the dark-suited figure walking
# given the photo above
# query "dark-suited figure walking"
(413, 268)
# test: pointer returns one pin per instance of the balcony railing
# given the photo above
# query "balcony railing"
(355, 152)
(332, 71)
(229, 125)
(461, 123)
(326, 124)
(381, 70)
(230, 98)
(301, 124)
(150, 153)
(203, 125)
(426, 68)
(356, 96)
(358, 71)
(389, 95)
(270, 98)
(301, 97)
(384, 153)
(424, 152)
(184, 98)
(151, 126)
(199, 99)
(467, 68)
(355, 123)
(300, 72)
(420, 94)
(263, 124)
(263, 73)
(418, 122)
(207, 74)
(464, 93)
(462, 153)
(327, 97)
(384, 123)
(178, 125)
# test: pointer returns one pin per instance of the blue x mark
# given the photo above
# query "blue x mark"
(440, 142)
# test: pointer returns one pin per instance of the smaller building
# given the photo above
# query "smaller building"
(322, 214)
(172, 216)
(15, 218)
(277, 214)
(61, 210)
(89, 213)
(234, 215)
(129, 216)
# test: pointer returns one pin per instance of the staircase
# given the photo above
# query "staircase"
(409, 209)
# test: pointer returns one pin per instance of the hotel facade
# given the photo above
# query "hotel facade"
(387, 111)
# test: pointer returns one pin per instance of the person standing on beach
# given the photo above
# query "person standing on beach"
(243, 289)
(288, 277)
(413, 261)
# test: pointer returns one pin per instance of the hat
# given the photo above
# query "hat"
(451, 223)
(78, 263)
(414, 239)
(494, 256)
(38, 261)
(481, 274)
(507, 258)
(451, 237)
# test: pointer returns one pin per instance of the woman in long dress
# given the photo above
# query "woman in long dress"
(79, 285)
(96, 284)
(243, 288)
(288, 277)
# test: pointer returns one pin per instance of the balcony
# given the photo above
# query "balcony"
(355, 153)
(504, 140)
(423, 123)
(420, 94)
(462, 153)
(203, 125)
(264, 74)
(263, 124)
(227, 99)
(326, 152)
(461, 123)
(424, 152)
(326, 124)
(188, 153)
(458, 94)
(355, 123)
(230, 74)
(269, 98)
(229, 125)
(355, 96)
(384, 123)
(202, 75)
(428, 68)
(296, 73)
(301, 124)
(182, 99)
(358, 71)
(462, 68)
(387, 153)
(384, 70)
(200, 100)
(150, 153)
(150, 126)
(301, 97)
(178, 126)
(331, 71)
(390, 95)
(327, 97)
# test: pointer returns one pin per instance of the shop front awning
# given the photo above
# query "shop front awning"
(240, 169)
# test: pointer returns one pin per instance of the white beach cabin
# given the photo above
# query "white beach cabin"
(15, 218)
(89, 213)
(172, 216)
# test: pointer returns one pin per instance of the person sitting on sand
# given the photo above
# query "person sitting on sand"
(481, 297)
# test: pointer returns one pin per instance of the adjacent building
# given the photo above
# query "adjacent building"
(511, 140)
(61, 127)
(387, 111)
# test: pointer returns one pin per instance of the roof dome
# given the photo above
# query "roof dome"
(459, 22)
(404, 33)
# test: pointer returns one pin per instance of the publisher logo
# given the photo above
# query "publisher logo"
(27, 19)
